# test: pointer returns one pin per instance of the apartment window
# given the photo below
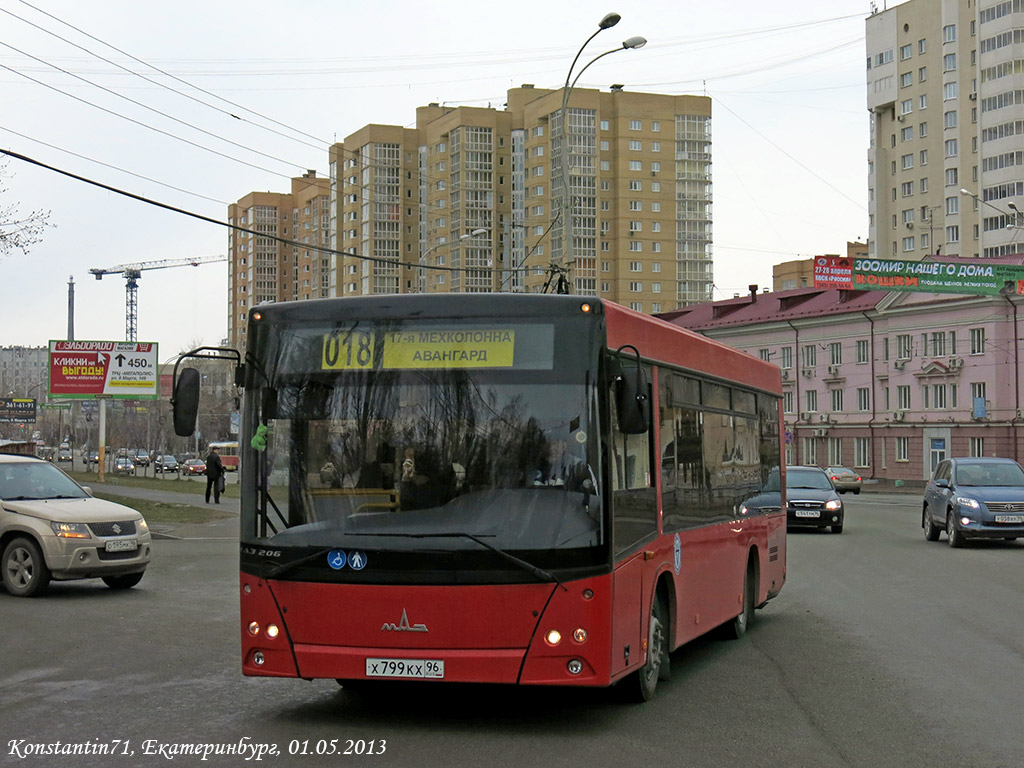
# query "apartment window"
(922, 74)
(863, 399)
(906, 51)
(952, 148)
(836, 398)
(655, 287)
(906, 79)
(835, 451)
(908, 244)
(950, 91)
(655, 167)
(952, 206)
(976, 446)
(923, 185)
(635, 246)
(656, 247)
(636, 266)
(953, 234)
(835, 353)
(636, 165)
(922, 129)
(605, 165)
(907, 188)
(635, 145)
(811, 399)
(605, 184)
(606, 205)
(655, 226)
(902, 397)
(906, 106)
(949, 118)
(605, 287)
(636, 186)
(636, 306)
(862, 451)
(810, 451)
(787, 401)
(656, 266)
(922, 45)
(605, 145)
(655, 186)
(922, 101)
(902, 448)
(786, 360)
(907, 134)
(656, 126)
(636, 205)
(605, 126)
(977, 341)
(907, 161)
(636, 287)
(949, 62)
(949, 33)
(606, 266)
(636, 125)
(952, 177)
(863, 351)
(655, 146)
(809, 355)
(904, 346)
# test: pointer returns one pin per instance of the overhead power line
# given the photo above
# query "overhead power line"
(235, 227)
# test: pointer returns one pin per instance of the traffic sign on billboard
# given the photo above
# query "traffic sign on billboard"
(118, 369)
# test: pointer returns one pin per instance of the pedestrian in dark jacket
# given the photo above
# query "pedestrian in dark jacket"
(214, 471)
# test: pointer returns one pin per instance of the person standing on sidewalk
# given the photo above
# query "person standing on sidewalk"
(214, 472)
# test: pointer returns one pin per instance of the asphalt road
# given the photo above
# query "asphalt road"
(882, 650)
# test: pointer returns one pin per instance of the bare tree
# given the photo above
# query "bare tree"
(18, 232)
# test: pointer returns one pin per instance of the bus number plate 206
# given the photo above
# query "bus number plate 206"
(422, 668)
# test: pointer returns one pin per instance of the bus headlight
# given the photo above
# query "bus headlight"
(553, 637)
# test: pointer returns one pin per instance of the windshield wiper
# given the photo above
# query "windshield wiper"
(23, 498)
(529, 567)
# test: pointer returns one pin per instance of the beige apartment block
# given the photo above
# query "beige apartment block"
(268, 268)
(472, 199)
(944, 85)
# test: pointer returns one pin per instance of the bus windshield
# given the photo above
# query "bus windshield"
(398, 434)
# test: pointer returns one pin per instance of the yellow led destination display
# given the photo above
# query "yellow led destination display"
(420, 348)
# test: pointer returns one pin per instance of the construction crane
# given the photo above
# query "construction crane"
(133, 272)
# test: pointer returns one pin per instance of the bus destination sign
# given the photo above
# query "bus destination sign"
(419, 348)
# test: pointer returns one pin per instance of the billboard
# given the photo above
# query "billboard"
(17, 410)
(117, 369)
(964, 277)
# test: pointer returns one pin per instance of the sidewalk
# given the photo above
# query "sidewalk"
(226, 528)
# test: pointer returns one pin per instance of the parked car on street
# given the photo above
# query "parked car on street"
(141, 457)
(193, 467)
(844, 479)
(166, 462)
(53, 529)
(812, 500)
(974, 498)
(123, 466)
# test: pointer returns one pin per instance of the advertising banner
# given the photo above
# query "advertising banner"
(17, 410)
(118, 369)
(963, 277)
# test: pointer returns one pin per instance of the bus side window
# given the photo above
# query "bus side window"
(634, 503)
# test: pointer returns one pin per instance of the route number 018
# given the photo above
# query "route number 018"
(354, 349)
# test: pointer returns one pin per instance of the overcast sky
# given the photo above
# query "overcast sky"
(789, 125)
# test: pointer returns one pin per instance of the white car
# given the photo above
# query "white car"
(51, 528)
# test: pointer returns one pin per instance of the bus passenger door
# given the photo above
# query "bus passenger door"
(627, 615)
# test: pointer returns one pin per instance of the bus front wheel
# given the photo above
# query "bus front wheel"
(644, 681)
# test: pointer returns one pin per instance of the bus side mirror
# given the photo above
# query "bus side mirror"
(185, 402)
(631, 400)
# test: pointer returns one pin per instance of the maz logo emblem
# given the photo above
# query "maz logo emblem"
(403, 625)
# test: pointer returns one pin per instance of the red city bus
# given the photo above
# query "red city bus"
(527, 489)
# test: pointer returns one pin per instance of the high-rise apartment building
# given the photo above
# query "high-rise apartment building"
(267, 269)
(945, 86)
(473, 200)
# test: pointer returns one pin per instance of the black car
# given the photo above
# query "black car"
(974, 498)
(812, 500)
(166, 463)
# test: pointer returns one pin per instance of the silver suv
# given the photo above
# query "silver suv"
(52, 528)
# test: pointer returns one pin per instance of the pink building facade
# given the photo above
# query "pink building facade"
(888, 384)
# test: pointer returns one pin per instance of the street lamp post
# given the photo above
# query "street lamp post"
(423, 256)
(610, 20)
